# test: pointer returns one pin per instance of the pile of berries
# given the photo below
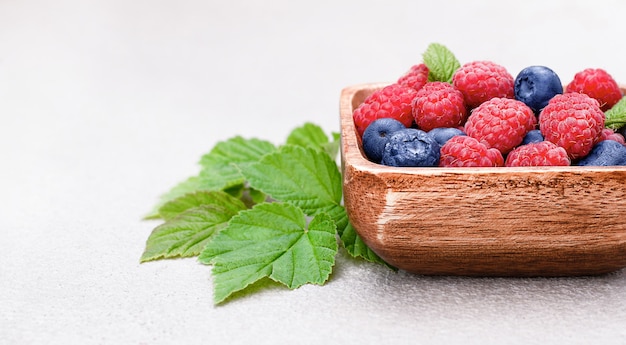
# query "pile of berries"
(484, 117)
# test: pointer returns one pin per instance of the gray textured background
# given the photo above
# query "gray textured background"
(104, 105)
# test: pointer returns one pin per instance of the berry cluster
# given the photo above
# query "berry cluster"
(482, 116)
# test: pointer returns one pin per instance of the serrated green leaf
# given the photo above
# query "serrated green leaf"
(271, 240)
(190, 200)
(198, 217)
(220, 167)
(357, 248)
(302, 176)
(441, 63)
(310, 180)
(237, 150)
(332, 148)
(313, 136)
(189, 185)
(615, 118)
(308, 135)
(256, 195)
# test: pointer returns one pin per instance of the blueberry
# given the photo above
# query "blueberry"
(606, 152)
(376, 136)
(533, 136)
(536, 85)
(443, 134)
(411, 147)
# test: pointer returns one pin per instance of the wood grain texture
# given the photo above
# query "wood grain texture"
(540, 221)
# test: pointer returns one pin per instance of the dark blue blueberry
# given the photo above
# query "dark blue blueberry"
(533, 136)
(536, 85)
(443, 134)
(605, 153)
(376, 136)
(411, 147)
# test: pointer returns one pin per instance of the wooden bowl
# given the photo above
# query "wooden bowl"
(539, 221)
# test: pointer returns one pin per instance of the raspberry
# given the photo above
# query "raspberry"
(416, 77)
(393, 101)
(464, 151)
(543, 153)
(609, 134)
(501, 123)
(439, 104)
(573, 121)
(480, 81)
(598, 84)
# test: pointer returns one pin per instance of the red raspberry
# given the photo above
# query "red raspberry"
(573, 121)
(543, 153)
(393, 101)
(598, 84)
(439, 104)
(416, 77)
(501, 123)
(480, 81)
(609, 134)
(464, 151)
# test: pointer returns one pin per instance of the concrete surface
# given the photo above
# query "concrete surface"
(104, 105)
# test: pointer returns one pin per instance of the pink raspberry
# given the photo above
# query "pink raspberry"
(598, 84)
(543, 153)
(416, 77)
(609, 134)
(439, 104)
(464, 151)
(573, 121)
(480, 81)
(393, 101)
(501, 123)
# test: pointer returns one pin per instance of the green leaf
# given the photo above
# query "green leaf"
(302, 176)
(189, 185)
(191, 200)
(615, 118)
(332, 148)
(441, 63)
(357, 248)
(220, 167)
(311, 135)
(256, 196)
(308, 135)
(237, 150)
(192, 221)
(310, 180)
(271, 240)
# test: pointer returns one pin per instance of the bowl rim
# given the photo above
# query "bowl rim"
(352, 152)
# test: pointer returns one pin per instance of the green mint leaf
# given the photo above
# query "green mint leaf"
(441, 63)
(220, 167)
(192, 221)
(310, 180)
(271, 240)
(616, 116)
(189, 185)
